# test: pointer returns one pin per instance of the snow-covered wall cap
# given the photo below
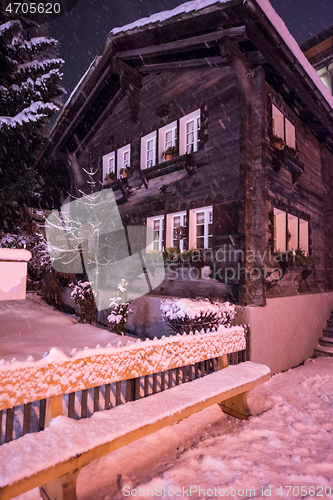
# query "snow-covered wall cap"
(159, 17)
(15, 254)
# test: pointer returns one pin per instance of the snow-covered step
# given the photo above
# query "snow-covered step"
(328, 331)
(326, 341)
(323, 351)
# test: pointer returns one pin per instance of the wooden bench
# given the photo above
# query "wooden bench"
(43, 460)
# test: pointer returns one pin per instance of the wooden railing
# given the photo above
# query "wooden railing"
(76, 385)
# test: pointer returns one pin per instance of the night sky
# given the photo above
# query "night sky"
(82, 32)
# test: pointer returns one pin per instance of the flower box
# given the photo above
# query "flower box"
(284, 158)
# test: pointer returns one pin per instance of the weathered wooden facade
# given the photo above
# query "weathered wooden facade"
(228, 88)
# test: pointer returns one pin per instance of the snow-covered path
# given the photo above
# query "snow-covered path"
(286, 443)
(31, 328)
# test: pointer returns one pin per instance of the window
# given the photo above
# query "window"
(109, 164)
(189, 127)
(167, 137)
(280, 230)
(290, 232)
(326, 77)
(148, 150)
(283, 128)
(176, 231)
(155, 235)
(123, 158)
(201, 228)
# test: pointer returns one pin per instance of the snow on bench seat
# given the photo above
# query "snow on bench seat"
(67, 444)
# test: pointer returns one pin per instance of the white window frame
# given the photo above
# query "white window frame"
(283, 128)
(304, 236)
(193, 226)
(106, 163)
(292, 222)
(280, 230)
(298, 229)
(150, 232)
(170, 229)
(183, 122)
(121, 162)
(171, 127)
(144, 151)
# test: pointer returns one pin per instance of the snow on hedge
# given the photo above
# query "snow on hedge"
(194, 308)
(189, 315)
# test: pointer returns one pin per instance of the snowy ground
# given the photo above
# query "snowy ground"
(286, 445)
(31, 328)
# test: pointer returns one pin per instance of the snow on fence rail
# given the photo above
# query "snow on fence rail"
(113, 375)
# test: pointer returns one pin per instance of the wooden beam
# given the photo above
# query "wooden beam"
(190, 64)
(62, 488)
(108, 110)
(131, 82)
(201, 41)
(90, 79)
(236, 406)
(82, 109)
(53, 409)
(126, 71)
(256, 58)
(236, 58)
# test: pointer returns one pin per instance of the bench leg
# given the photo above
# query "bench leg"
(237, 406)
(63, 488)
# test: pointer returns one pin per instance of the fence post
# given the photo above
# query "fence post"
(53, 409)
(222, 361)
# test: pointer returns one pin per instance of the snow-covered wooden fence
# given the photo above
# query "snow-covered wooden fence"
(31, 393)
(57, 454)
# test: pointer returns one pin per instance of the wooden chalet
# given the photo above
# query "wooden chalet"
(225, 89)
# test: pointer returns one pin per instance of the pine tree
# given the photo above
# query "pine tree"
(29, 95)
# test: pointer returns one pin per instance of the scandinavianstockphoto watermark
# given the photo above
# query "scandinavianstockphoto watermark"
(228, 265)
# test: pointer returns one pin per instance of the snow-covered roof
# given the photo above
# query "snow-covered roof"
(192, 5)
(290, 41)
(159, 17)
(195, 6)
(274, 18)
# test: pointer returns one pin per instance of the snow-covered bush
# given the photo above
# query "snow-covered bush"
(10, 240)
(120, 309)
(40, 262)
(189, 315)
(83, 296)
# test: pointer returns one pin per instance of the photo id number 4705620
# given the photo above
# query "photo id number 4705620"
(33, 8)
(305, 491)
